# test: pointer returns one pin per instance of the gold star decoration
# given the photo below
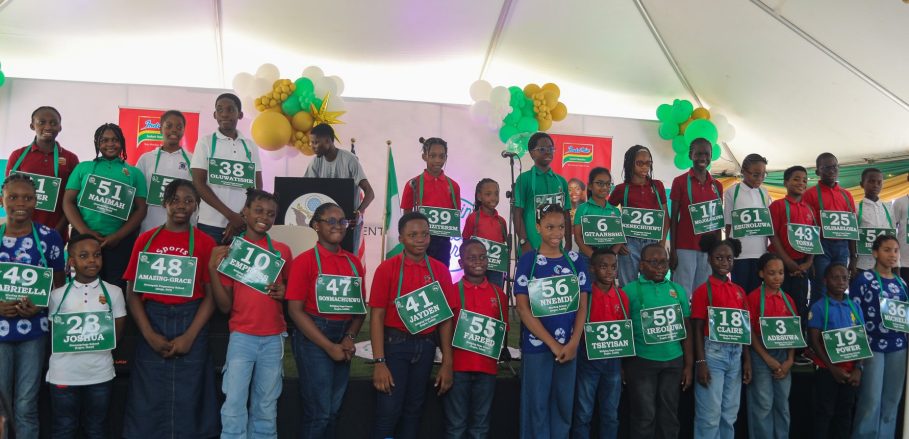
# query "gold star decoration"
(322, 115)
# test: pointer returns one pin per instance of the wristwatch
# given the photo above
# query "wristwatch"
(379, 360)
(522, 241)
(349, 335)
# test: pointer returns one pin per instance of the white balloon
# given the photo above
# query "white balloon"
(336, 103)
(291, 152)
(495, 124)
(241, 82)
(499, 96)
(260, 86)
(323, 86)
(313, 73)
(480, 90)
(480, 111)
(269, 72)
(339, 84)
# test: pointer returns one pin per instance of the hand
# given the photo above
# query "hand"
(686, 378)
(746, 372)
(111, 241)
(855, 378)
(444, 378)
(235, 223)
(382, 380)
(357, 217)
(9, 309)
(620, 249)
(839, 375)
(349, 348)
(703, 374)
(276, 291)
(181, 345)
(567, 353)
(159, 344)
(217, 255)
(792, 267)
(673, 259)
(773, 365)
(26, 308)
(784, 370)
(336, 352)
(803, 267)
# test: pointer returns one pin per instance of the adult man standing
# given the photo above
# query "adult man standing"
(331, 162)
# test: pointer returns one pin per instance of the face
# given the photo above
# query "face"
(227, 114)
(172, 130)
(888, 254)
(110, 145)
(85, 258)
(46, 125)
(755, 174)
(872, 183)
(473, 260)
(542, 154)
(654, 264)
(828, 169)
(773, 273)
(700, 155)
(435, 158)
(797, 183)
(605, 268)
(643, 163)
(575, 192)
(181, 208)
(320, 144)
(332, 226)
(19, 200)
(837, 279)
(600, 186)
(415, 237)
(489, 195)
(260, 215)
(721, 260)
(552, 228)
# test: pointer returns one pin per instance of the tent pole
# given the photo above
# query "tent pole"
(496, 35)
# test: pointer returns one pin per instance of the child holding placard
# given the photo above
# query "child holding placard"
(875, 218)
(160, 166)
(536, 187)
(745, 208)
(596, 222)
(87, 318)
(486, 225)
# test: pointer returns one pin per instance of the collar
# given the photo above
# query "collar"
(695, 178)
(597, 288)
(178, 151)
(101, 159)
(716, 281)
(220, 136)
(469, 284)
(644, 280)
(872, 202)
(593, 203)
(793, 200)
(93, 284)
(824, 187)
(324, 251)
(33, 147)
(428, 176)
(840, 302)
(745, 187)
(480, 214)
(537, 170)
(409, 263)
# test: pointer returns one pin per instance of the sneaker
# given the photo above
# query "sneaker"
(802, 360)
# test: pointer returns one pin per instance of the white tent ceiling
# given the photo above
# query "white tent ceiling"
(794, 77)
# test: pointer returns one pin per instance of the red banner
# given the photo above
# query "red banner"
(142, 129)
(575, 156)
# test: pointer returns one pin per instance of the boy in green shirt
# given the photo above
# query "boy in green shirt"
(536, 187)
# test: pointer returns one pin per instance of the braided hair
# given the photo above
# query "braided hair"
(427, 144)
(118, 133)
(628, 163)
(170, 191)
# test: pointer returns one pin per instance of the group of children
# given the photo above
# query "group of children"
(180, 235)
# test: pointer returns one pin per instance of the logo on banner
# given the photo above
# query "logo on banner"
(148, 136)
(577, 153)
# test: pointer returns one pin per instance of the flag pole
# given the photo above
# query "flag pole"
(385, 208)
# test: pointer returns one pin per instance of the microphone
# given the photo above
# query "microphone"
(507, 154)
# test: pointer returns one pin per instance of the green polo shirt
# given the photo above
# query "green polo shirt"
(115, 169)
(643, 293)
(590, 207)
(530, 184)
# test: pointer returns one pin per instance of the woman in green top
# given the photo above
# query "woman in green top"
(105, 198)
(597, 204)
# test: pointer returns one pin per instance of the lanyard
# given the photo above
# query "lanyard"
(606, 294)
(782, 294)
(476, 226)
(110, 307)
(192, 239)
(789, 220)
(655, 194)
(494, 290)
(401, 273)
(214, 140)
(735, 196)
(710, 295)
(712, 186)
(319, 263)
(533, 182)
(609, 208)
(35, 237)
(267, 240)
(537, 254)
(820, 197)
(898, 281)
(643, 281)
(454, 204)
(861, 208)
(29, 148)
(852, 310)
(158, 158)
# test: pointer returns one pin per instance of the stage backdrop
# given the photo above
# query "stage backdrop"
(142, 129)
(575, 156)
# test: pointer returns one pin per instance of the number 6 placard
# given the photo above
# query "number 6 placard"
(251, 265)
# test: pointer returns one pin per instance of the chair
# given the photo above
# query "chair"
(298, 238)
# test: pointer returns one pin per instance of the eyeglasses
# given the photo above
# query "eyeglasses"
(545, 149)
(648, 163)
(656, 263)
(600, 183)
(332, 222)
(755, 174)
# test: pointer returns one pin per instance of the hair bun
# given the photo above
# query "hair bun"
(422, 140)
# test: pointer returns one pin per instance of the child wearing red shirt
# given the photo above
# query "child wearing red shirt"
(485, 222)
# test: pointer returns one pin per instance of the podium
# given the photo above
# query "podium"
(298, 198)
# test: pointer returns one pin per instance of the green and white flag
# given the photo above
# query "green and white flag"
(392, 210)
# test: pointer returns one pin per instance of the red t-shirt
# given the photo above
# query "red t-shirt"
(640, 196)
(488, 227)
(436, 192)
(684, 232)
(835, 198)
(606, 307)
(485, 299)
(42, 163)
(304, 271)
(254, 313)
(773, 307)
(799, 213)
(724, 294)
(416, 275)
(174, 243)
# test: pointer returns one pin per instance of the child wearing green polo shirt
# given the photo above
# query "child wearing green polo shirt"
(597, 204)
(536, 187)
(662, 369)
(105, 198)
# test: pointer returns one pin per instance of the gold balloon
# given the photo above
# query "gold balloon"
(684, 125)
(271, 130)
(550, 99)
(531, 89)
(553, 88)
(559, 112)
(545, 124)
(307, 150)
(302, 121)
(700, 113)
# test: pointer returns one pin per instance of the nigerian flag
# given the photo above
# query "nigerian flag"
(392, 210)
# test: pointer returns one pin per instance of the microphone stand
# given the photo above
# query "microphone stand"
(511, 240)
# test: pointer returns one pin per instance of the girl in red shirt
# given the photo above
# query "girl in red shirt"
(485, 222)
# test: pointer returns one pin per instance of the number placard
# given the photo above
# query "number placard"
(556, 198)
(782, 332)
(479, 334)
(107, 196)
(423, 308)
(753, 221)
(167, 275)
(663, 324)
(231, 173)
(251, 265)
(729, 325)
(601, 230)
(497, 255)
(156, 189)
(894, 314)
(805, 239)
(847, 344)
(612, 339)
(443, 222)
(83, 332)
(839, 225)
(867, 235)
(555, 295)
(339, 295)
(21, 280)
(706, 216)
(47, 190)
(643, 223)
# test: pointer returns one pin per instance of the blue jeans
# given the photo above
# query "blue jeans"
(835, 250)
(630, 264)
(597, 381)
(547, 396)
(253, 376)
(409, 359)
(692, 270)
(768, 399)
(745, 274)
(468, 405)
(20, 379)
(879, 395)
(357, 232)
(717, 405)
(80, 406)
(323, 381)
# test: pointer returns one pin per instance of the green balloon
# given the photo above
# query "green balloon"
(528, 106)
(668, 130)
(700, 128)
(506, 132)
(514, 117)
(528, 124)
(317, 102)
(679, 145)
(681, 111)
(303, 84)
(717, 151)
(682, 161)
(2, 78)
(518, 143)
(664, 113)
(291, 107)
